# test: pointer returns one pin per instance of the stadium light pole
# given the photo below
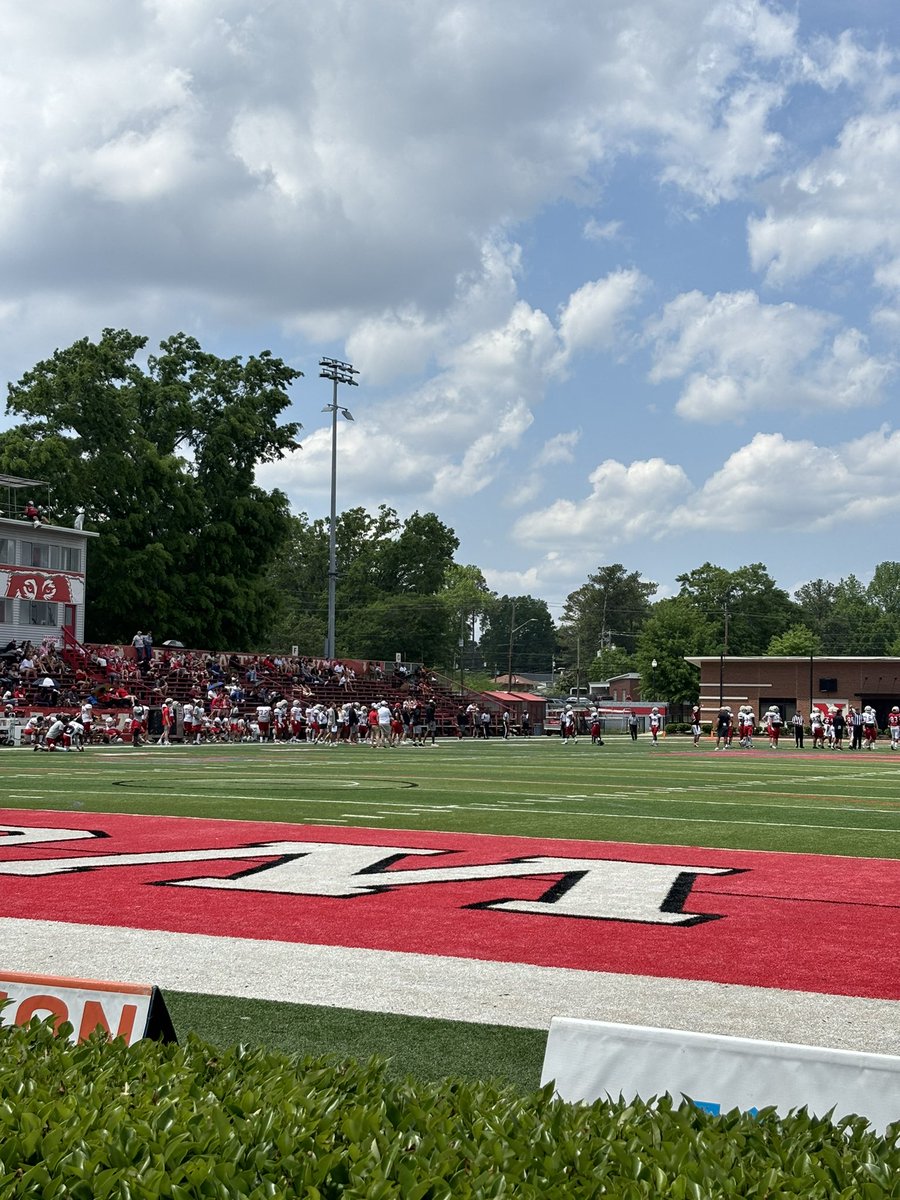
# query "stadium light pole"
(337, 372)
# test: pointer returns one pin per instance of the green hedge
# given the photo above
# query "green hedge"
(100, 1120)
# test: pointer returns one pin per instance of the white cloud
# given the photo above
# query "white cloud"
(495, 358)
(339, 160)
(840, 207)
(620, 505)
(558, 449)
(448, 435)
(592, 319)
(597, 231)
(713, 162)
(791, 486)
(772, 483)
(831, 63)
(478, 465)
(737, 356)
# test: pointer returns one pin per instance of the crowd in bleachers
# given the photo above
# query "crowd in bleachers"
(115, 679)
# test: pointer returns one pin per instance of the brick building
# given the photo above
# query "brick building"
(795, 682)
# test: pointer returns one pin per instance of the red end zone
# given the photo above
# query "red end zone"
(806, 922)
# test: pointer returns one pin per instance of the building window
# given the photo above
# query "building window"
(50, 557)
(8, 552)
(38, 612)
(35, 554)
(7, 616)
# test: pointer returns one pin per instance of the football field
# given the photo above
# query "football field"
(440, 904)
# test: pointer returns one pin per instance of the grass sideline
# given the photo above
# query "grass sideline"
(818, 803)
(425, 1048)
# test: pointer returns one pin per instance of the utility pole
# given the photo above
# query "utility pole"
(723, 654)
(512, 630)
(462, 651)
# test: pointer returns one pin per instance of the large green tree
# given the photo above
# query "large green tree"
(746, 606)
(815, 601)
(857, 623)
(850, 617)
(522, 625)
(799, 639)
(466, 596)
(389, 595)
(161, 457)
(606, 611)
(676, 628)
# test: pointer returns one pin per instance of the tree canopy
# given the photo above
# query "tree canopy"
(607, 611)
(162, 459)
(517, 632)
(745, 606)
(390, 592)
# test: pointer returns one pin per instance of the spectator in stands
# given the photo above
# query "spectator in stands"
(11, 651)
(33, 514)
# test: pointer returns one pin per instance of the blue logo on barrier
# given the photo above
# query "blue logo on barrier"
(710, 1106)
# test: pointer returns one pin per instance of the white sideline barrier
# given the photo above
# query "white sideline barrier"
(594, 1059)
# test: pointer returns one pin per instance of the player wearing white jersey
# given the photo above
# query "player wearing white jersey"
(296, 721)
(263, 720)
(87, 719)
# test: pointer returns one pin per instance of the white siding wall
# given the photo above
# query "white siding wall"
(20, 626)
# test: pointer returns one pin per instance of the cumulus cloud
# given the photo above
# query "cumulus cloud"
(858, 477)
(445, 435)
(316, 160)
(736, 356)
(614, 511)
(558, 449)
(602, 231)
(493, 358)
(839, 207)
(829, 486)
(592, 319)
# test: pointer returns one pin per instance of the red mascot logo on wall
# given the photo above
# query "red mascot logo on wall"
(55, 587)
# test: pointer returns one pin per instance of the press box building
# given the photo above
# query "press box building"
(42, 569)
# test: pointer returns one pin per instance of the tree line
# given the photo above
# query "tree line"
(160, 451)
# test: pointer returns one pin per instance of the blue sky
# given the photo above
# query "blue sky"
(622, 281)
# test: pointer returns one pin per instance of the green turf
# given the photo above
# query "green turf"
(827, 803)
(822, 803)
(419, 1046)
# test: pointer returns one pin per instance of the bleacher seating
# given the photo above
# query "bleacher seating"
(113, 677)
